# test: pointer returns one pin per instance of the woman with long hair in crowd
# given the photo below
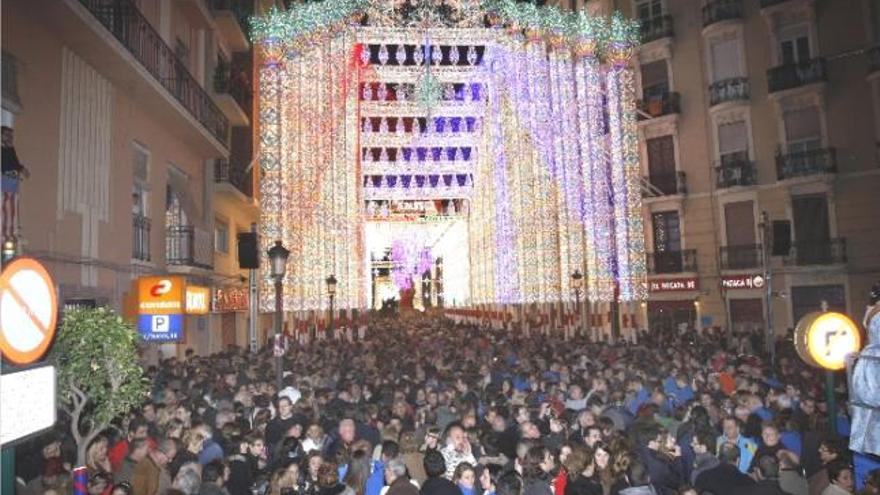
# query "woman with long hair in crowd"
(465, 478)
(581, 468)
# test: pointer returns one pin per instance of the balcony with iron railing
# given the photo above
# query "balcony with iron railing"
(656, 28)
(140, 237)
(721, 10)
(665, 184)
(672, 261)
(873, 59)
(732, 173)
(733, 89)
(234, 175)
(188, 247)
(744, 257)
(805, 163)
(654, 106)
(232, 93)
(817, 252)
(796, 75)
(126, 23)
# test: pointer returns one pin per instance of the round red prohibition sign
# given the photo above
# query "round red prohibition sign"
(28, 310)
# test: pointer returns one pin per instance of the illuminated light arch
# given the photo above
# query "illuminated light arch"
(525, 114)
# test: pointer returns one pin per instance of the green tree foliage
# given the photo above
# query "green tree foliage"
(99, 378)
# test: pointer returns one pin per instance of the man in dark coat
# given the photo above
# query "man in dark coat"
(725, 478)
(437, 484)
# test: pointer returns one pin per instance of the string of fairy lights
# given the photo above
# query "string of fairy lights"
(526, 112)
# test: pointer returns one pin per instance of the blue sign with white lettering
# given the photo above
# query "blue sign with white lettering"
(160, 328)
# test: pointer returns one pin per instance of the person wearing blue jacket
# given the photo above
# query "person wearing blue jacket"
(376, 481)
(640, 395)
(747, 446)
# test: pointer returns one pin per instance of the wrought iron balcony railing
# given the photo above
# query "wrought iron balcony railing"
(741, 257)
(656, 28)
(796, 75)
(817, 252)
(672, 261)
(721, 10)
(140, 237)
(126, 23)
(736, 173)
(226, 82)
(186, 245)
(225, 172)
(667, 184)
(659, 105)
(804, 163)
(733, 89)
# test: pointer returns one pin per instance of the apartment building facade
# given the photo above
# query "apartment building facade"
(131, 116)
(759, 134)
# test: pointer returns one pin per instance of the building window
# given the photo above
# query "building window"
(725, 59)
(140, 187)
(661, 164)
(649, 9)
(221, 236)
(794, 45)
(803, 131)
(655, 80)
(733, 143)
(667, 232)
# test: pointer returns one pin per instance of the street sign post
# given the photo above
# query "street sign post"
(28, 310)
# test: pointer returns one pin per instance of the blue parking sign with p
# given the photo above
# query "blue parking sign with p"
(160, 328)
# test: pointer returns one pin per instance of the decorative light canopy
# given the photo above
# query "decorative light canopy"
(529, 123)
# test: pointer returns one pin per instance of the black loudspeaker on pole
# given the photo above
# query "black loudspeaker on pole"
(248, 254)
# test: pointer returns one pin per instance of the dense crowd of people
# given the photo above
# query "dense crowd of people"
(423, 406)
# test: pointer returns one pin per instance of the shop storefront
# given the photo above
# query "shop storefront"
(230, 309)
(673, 305)
(744, 297)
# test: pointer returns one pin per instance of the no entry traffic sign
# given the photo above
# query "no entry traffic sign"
(28, 310)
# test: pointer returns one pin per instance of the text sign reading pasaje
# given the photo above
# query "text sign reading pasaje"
(742, 281)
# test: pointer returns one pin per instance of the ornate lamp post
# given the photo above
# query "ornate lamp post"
(278, 263)
(577, 283)
(331, 293)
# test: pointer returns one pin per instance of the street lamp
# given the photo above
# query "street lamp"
(577, 282)
(278, 263)
(331, 292)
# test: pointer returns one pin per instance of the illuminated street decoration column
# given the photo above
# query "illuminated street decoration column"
(625, 173)
(597, 206)
(271, 190)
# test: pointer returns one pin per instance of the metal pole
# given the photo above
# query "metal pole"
(831, 400)
(253, 296)
(331, 326)
(770, 336)
(577, 309)
(277, 347)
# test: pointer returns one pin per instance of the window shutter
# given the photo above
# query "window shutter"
(732, 138)
(802, 125)
(654, 74)
(725, 59)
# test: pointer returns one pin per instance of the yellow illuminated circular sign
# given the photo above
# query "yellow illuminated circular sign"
(824, 339)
